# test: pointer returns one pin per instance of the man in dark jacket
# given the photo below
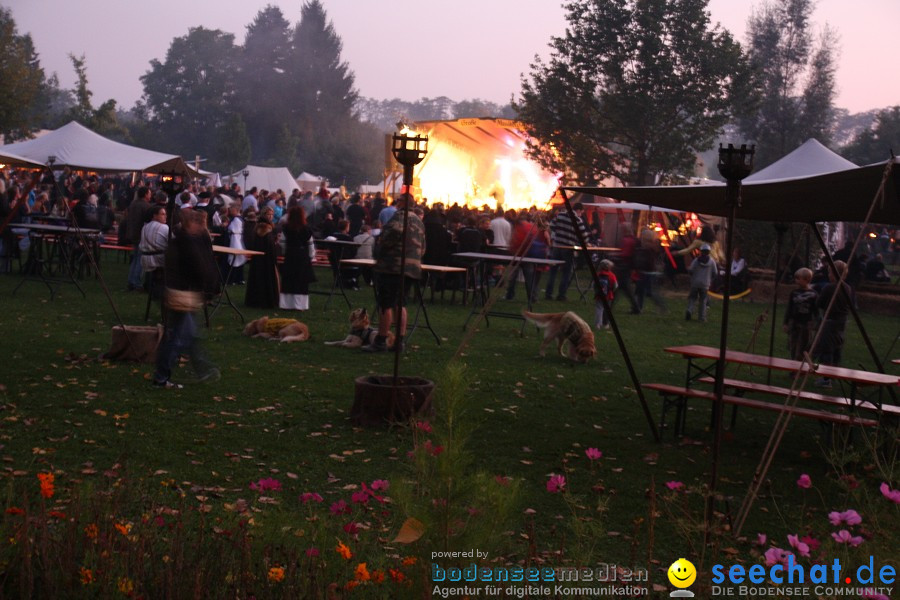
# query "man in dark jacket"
(191, 278)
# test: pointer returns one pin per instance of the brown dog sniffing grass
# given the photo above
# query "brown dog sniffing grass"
(566, 329)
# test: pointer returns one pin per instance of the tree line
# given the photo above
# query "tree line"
(633, 90)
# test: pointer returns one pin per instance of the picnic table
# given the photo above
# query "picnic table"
(53, 251)
(337, 250)
(218, 302)
(853, 400)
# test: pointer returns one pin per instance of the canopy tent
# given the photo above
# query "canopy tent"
(307, 182)
(266, 178)
(8, 158)
(614, 206)
(839, 196)
(76, 146)
(810, 158)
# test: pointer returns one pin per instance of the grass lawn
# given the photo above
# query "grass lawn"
(282, 411)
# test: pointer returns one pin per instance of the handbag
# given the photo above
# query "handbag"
(183, 300)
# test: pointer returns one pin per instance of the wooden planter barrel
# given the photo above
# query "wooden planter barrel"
(375, 402)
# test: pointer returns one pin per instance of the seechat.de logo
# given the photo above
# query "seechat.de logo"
(682, 574)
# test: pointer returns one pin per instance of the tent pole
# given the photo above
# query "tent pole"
(733, 195)
(612, 322)
(853, 311)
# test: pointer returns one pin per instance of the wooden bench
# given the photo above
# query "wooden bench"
(678, 396)
(747, 386)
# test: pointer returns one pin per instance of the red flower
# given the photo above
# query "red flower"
(14, 510)
(339, 508)
(266, 484)
(556, 483)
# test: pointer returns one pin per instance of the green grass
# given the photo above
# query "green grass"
(282, 410)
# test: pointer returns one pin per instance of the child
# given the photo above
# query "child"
(607, 287)
(801, 314)
(702, 271)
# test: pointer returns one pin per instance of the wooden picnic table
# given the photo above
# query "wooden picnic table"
(227, 250)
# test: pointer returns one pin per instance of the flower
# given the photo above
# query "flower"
(125, 585)
(776, 556)
(343, 550)
(46, 480)
(86, 576)
(14, 510)
(312, 552)
(799, 546)
(409, 561)
(266, 484)
(339, 508)
(56, 514)
(362, 573)
(851, 481)
(123, 528)
(845, 537)
(871, 594)
(892, 495)
(761, 539)
(423, 426)
(276, 574)
(674, 485)
(812, 542)
(351, 528)
(91, 531)
(310, 497)
(397, 575)
(804, 482)
(593, 453)
(381, 485)
(431, 449)
(359, 497)
(502, 479)
(850, 517)
(377, 576)
(556, 483)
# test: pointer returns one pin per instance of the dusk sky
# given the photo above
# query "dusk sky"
(462, 49)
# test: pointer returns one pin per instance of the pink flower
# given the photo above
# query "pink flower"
(593, 453)
(851, 481)
(423, 426)
(674, 485)
(310, 497)
(775, 556)
(556, 483)
(850, 517)
(871, 594)
(812, 542)
(266, 484)
(360, 497)
(799, 546)
(431, 449)
(845, 537)
(502, 480)
(351, 528)
(804, 482)
(312, 552)
(339, 508)
(381, 485)
(761, 539)
(892, 495)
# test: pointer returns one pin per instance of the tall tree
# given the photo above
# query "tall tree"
(189, 96)
(875, 143)
(232, 145)
(321, 85)
(794, 78)
(23, 80)
(633, 90)
(103, 119)
(263, 79)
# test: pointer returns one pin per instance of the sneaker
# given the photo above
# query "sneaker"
(210, 376)
(822, 382)
(687, 315)
(167, 385)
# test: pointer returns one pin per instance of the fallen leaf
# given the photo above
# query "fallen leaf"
(411, 530)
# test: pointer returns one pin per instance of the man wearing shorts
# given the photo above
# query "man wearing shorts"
(390, 287)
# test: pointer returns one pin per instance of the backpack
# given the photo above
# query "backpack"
(602, 285)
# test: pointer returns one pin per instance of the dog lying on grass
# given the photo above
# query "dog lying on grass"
(361, 332)
(566, 329)
(282, 330)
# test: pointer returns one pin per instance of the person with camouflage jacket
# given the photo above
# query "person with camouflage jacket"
(391, 289)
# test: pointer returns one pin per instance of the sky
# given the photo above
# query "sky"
(462, 49)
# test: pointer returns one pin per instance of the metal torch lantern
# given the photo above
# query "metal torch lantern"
(736, 163)
(409, 150)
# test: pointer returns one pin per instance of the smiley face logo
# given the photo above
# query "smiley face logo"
(682, 573)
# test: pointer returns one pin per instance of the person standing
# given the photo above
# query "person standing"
(137, 214)
(502, 229)
(262, 281)
(830, 348)
(564, 230)
(236, 241)
(801, 314)
(296, 271)
(153, 244)
(392, 286)
(191, 277)
(703, 271)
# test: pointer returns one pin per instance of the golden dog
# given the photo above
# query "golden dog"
(565, 328)
(282, 330)
(361, 333)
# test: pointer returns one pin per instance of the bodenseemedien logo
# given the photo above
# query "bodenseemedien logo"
(682, 574)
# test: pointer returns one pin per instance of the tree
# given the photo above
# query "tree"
(793, 78)
(262, 66)
(320, 86)
(634, 90)
(232, 145)
(874, 144)
(103, 120)
(190, 95)
(23, 80)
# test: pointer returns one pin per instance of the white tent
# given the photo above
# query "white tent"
(307, 182)
(810, 158)
(76, 146)
(265, 178)
(8, 158)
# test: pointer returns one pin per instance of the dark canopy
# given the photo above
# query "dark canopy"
(842, 196)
